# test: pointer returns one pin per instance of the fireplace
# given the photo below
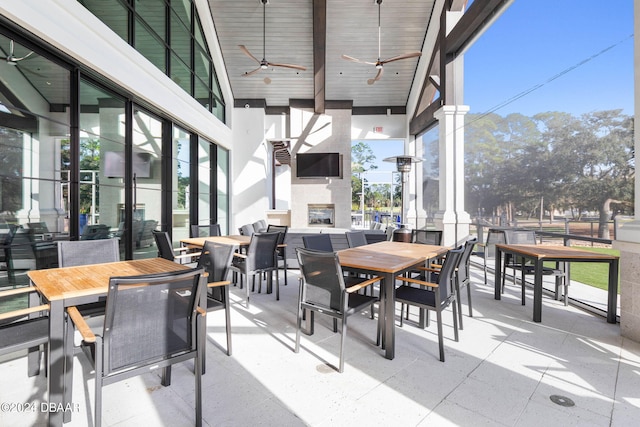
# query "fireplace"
(321, 215)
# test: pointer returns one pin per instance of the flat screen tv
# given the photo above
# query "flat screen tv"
(319, 165)
(114, 164)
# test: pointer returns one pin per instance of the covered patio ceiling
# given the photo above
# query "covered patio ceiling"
(316, 33)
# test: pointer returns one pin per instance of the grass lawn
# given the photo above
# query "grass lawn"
(593, 273)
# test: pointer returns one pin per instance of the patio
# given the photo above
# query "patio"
(502, 372)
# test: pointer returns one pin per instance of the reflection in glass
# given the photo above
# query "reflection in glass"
(147, 194)
(223, 189)
(181, 192)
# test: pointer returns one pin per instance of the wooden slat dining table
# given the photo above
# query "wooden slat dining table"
(234, 240)
(538, 254)
(388, 260)
(69, 286)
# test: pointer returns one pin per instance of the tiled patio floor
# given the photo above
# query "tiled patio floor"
(502, 372)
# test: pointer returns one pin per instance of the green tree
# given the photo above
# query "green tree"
(362, 159)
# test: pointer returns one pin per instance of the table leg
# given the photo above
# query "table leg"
(389, 300)
(498, 275)
(537, 290)
(57, 358)
(612, 302)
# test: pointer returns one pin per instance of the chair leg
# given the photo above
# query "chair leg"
(248, 291)
(342, 341)
(459, 302)
(227, 313)
(455, 320)
(98, 383)
(440, 338)
(198, 384)
(469, 299)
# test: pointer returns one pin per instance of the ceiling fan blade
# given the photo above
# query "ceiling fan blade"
(24, 57)
(295, 67)
(377, 77)
(249, 73)
(246, 52)
(352, 59)
(403, 56)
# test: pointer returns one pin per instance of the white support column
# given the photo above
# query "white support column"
(451, 216)
(628, 236)
(414, 212)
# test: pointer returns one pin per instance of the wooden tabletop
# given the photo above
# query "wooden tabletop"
(235, 240)
(389, 257)
(556, 252)
(87, 280)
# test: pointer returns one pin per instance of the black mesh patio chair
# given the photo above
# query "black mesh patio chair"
(528, 237)
(95, 232)
(318, 242)
(281, 248)
(356, 238)
(463, 277)
(260, 226)
(167, 251)
(215, 259)
(24, 328)
(487, 250)
(260, 257)
(151, 322)
(205, 230)
(85, 252)
(427, 237)
(324, 289)
(247, 230)
(434, 296)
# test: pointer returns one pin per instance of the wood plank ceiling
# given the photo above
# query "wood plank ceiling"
(351, 29)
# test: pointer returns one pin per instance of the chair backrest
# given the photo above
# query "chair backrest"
(356, 238)
(520, 237)
(261, 253)
(282, 229)
(215, 259)
(389, 231)
(427, 237)
(150, 319)
(260, 226)
(318, 242)
(95, 232)
(85, 252)
(247, 230)
(163, 242)
(448, 272)
(323, 283)
(205, 230)
(464, 261)
(493, 237)
(38, 227)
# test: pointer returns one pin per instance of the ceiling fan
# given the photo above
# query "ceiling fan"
(379, 63)
(264, 64)
(11, 58)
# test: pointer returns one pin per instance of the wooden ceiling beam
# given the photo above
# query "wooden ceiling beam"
(319, 54)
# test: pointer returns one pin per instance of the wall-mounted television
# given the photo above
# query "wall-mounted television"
(114, 164)
(319, 165)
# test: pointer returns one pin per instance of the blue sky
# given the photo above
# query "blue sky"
(534, 41)
(552, 49)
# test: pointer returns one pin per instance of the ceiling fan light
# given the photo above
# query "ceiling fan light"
(264, 66)
(11, 62)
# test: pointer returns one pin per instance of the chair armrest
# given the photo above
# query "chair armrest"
(239, 255)
(201, 311)
(355, 288)
(182, 249)
(416, 281)
(81, 325)
(188, 256)
(23, 311)
(18, 291)
(216, 284)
